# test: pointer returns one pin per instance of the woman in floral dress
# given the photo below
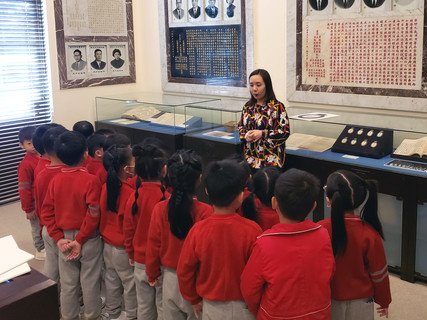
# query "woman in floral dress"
(264, 125)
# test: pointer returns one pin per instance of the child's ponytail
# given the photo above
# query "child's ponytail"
(369, 213)
(249, 209)
(184, 170)
(114, 159)
(339, 232)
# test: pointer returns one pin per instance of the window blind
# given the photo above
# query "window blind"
(25, 94)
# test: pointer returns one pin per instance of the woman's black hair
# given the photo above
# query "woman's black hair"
(263, 182)
(349, 192)
(184, 170)
(114, 159)
(149, 162)
(269, 92)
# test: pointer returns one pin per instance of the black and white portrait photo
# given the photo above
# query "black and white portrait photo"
(318, 5)
(194, 11)
(345, 4)
(79, 64)
(117, 61)
(374, 3)
(178, 12)
(212, 9)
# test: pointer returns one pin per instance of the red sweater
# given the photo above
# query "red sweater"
(41, 185)
(267, 217)
(213, 257)
(362, 270)
(289, 272)
(26, 181)
(41, 165)
(135, 227)
(101, 174)
(94, 165)
(72, 202)
(111, 225)
(163, 248)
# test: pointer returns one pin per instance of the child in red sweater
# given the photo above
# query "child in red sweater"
(289, 272)
(71, 213)
(95, 145)
(119, 275)
(26, 186)
(361, 276)
(170, 223)
(150, 166)
(50, 268)
(217, 248)
(257, 206)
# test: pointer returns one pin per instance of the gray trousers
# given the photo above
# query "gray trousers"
(228, 310)
(36, 233)
(84, 272)
(149, 298)
(119, 279)
(50, 268)
(174, 305)
(361, 309)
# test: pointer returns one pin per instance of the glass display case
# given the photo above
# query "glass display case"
(219, 120)
(162, 113)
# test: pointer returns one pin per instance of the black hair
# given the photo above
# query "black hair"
(114, 160)
(84, 127)
(78, 51)
(149, 162)
(269, 92)
(70, 147)
(347, 191)
(26, 133)
(224, 181)
(118, 139)
(105, 132)
(117, 50)
(95, 142)
(296, 191)
(240, 159)
(38, 136)
(263, 182)
(184, 170)
(49, 138)
(97, 50)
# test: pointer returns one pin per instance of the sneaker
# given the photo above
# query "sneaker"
(40, 255)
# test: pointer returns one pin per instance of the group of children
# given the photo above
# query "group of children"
(128, 217)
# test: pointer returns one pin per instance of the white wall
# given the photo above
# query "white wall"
(72, 105)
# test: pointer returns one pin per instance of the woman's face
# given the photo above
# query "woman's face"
(257, 87)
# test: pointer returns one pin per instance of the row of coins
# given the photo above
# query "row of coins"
(370, 133)
(364, 143)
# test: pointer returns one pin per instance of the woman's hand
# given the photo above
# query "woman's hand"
(253, 135)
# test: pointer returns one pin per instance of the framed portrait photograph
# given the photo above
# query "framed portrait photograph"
(97, 59)
(179, 11)
(195, 10)
(232, 9)
(76, 61)
(213, 10)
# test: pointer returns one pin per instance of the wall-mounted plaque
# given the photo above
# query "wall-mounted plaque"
(358, 52)
(206, 46)
(93, 51)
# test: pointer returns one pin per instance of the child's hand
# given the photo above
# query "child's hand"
(155, 283)
(131, 262)
(198, 309)
(31, 215)
(382, 312)
(75, 248)
(63, 245)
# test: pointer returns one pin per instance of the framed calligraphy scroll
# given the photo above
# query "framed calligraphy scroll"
(365, 53)
(207, 46)
(93, 51)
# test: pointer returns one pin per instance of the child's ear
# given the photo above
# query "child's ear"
(164, 171)
(99, 153)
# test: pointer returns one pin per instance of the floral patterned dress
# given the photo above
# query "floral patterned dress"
(273, 120)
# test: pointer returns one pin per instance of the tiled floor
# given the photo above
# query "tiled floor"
(409, 299)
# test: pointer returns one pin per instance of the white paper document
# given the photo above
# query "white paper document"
(12, 256)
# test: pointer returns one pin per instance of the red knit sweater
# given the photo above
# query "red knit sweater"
(213, 257)
(163, 247)
(135, 226)
(26, 181)
(72, 202)
(111, 224)
(41, 185)
(362, 270)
